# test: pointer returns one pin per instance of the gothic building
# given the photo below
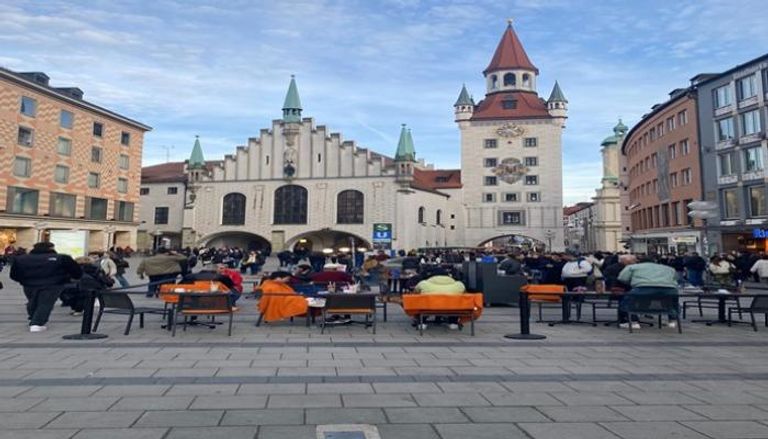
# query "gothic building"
(299, 184)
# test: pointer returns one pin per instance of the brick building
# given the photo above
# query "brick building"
(663, 176)
(65, 164)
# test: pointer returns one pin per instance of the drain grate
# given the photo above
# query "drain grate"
(347, 431)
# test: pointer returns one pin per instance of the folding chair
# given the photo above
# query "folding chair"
(210, 304)
(653, 305)
(759, 305)
(121, 303)
(352, 304)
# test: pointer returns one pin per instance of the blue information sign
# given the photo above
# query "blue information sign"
(382, 232)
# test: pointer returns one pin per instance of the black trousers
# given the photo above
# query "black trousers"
(40, 302)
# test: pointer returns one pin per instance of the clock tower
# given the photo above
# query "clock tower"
(511, 153)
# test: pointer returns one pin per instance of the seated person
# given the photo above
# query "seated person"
(648, 278)
(302, 275)
(440, 282)
(334, 265)
(279, 300)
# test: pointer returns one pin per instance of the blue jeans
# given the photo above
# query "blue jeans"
(648, 291)
(695, 277)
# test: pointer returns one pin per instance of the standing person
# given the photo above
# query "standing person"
(43, 273)
(648, 278)
(695, 266)
(721, 270)
(162, 268)
(106, 264)
(575, 273)
(121, 265)
(93, 279)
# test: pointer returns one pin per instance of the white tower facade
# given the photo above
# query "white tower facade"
(511, 153)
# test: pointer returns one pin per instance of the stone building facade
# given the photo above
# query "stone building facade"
(299, 184)
(65, 164)
(732, 113)
(663, 166)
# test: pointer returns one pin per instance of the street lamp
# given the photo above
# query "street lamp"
(704, 210)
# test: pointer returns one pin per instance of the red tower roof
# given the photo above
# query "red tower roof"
(510, 54)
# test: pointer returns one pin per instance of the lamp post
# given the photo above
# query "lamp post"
(704, 210)
(549, 235)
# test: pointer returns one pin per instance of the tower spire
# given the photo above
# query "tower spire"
(196, 160)
(405, 150)
(464, 97)
(292, 105)
(557, 94)
(510, 54)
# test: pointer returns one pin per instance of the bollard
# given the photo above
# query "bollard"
(86, 325)
(525, 321)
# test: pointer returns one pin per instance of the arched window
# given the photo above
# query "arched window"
(526, 80)
(510, 79)
(439, 217)
(494, 81)
(421, 215)
(233, 209)
(350, 207)
(291, 205)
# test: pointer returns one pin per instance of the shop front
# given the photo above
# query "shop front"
(679, 243)
(754, 240)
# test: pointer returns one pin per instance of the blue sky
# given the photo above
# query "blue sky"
(221, 69)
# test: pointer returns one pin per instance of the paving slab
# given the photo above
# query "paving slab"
(432, 415)
(263, 417)
(729, 429)
(212, 433)
(345, 416)
(570, 430)
(95, 420)
(179, 418)
(122, 433)
(480, 431)
(646, 430)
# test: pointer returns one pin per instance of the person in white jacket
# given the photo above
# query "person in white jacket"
(107, 265)
(761, 268)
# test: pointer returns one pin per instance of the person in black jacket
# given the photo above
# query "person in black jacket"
(93, 279)
(43, 273)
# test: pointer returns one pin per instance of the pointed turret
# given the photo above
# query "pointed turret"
(557, 94)
(510, 54)
(620, 129)
(292, 104)
(196, 159)
(464, 105)
(510, 68)
(557, 104)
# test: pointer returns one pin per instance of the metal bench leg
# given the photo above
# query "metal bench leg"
(472, 326)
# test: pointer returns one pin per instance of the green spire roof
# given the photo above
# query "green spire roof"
(292, 104)
(405, 149)
(557, 94)
(196, 160)
(464, 98)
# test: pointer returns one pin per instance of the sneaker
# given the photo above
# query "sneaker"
(76, 313)
(672, 324)
(423, 326)
(635, 325)
(36, 328)
(453, 326)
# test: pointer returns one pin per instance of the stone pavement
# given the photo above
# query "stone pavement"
(282, 380)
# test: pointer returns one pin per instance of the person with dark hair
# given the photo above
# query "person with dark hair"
(648, 278)
(695, 266)
(43, 273)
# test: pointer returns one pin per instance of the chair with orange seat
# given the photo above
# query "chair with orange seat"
(205, 304)
(544, 294)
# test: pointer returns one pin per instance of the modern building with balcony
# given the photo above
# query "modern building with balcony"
(66, 165)
(732, 119)
(662, 160)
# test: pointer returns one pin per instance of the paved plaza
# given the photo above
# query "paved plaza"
(283, 380)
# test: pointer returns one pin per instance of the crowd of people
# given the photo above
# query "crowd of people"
(48, 276)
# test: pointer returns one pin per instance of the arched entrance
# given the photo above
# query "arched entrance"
(512, 242)
(335, 240)
(243, 240)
